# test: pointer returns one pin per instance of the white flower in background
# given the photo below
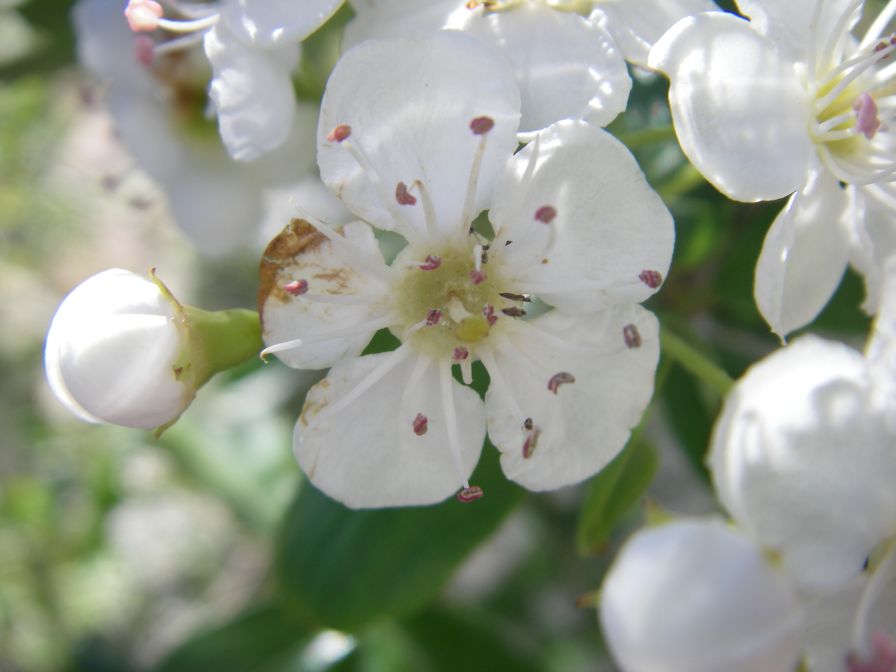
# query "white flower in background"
(417, 137)
(159, 111)
(253, 48)
(790, 103)
(698, 596)
(563, 53)
(802, 455)
(122, 350)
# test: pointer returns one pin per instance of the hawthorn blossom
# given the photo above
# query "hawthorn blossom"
(802, 455)
(417, 136)
(698, 596)
(568, 56)
(791, 103)
(253, 48)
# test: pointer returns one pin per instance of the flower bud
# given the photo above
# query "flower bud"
(697, 596)
(122, 350)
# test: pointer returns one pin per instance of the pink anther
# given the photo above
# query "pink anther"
(632, 336)
(652, 279)
(470, 494)
(559, 379)
(144, 50)
(143, 15)
(460, 354)
(420, 424)
(867, 121)
(403, 196)
(433, 317)
(431, 263)
(531, 442)
(339, 133)
(296, 287)
(545, 214)
(477, 277)
(488, 312)
(883, 656)
(482, 125)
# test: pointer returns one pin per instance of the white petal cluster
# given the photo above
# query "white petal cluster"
(431, 148)
(568, 58)
(113, 351)
(791, 103)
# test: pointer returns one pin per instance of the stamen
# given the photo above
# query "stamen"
(144, 50)
(559, 379)
(877, 26)
(882, 659)
(431, 263)
(867, 122)
(531, 441)
(499, 382)
(433, 317)
(516, 297)
(457, 310)
(460, 354)
(340, 133)
(652, 279)
(632, 336)
(429, 211)
(488, 312)
(514, 311)
(420, 424)
(477, 257)
(477, 277)
(470, 494)
(320, 337)
(480, 126)
(188, 26)
(447, 381)
(296, 287)
(143, 15)
(402, 195)
(545, 214)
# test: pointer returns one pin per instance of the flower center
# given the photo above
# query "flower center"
(448, 301)
(582, 7)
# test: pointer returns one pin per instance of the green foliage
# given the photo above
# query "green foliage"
(613, 492)
(343, 569)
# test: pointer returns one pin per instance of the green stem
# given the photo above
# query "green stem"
(647, 136)
(680, 182)
(694, 361)
(222, 339)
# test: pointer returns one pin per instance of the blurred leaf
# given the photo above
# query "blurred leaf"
(345, 568)
(690, 416)
(263, 639)
(613, 492)
(485, 647)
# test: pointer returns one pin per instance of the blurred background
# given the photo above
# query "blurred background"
(204, 549)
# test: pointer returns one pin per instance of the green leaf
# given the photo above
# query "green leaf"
(613, 492)
(343, 568)
(263, 639)
(485, 647)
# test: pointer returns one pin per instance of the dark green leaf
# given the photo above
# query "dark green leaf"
(344, 568)
(261, 640)
(613, 492)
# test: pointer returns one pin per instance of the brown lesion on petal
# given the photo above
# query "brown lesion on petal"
(339, 277)
(281, 255)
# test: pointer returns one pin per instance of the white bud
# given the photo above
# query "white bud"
(698, 596)
(803, 462)
(113, 351)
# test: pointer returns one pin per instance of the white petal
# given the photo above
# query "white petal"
(365, 453)
(803, 464)
(252, 93)
(739, 109)
(267, 23)
(789, 24)
(881, 349)
(388, 19)
(874, 237)
(827, 629)
(610, 225)
(409, 104)
(803, 256)
(566, 66)
(697, 596)
(587, 422)
(302, 253)
(637, 24)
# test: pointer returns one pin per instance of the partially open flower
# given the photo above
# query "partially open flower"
(122, 350)
(698, 596)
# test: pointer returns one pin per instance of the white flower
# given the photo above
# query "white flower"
(159, 113)
(252, 46)
(790, 103)
(698, 596)
(417, 136)
(802, 455)
(563, 53)
(113, 350)
(122, 350)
